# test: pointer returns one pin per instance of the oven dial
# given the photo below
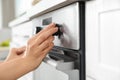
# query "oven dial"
(58, 33)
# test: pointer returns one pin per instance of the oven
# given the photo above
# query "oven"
(66, 61)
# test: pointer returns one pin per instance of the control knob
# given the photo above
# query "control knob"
(58, 33)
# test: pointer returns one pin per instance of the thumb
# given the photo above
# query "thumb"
(21, 50)
(13, 50)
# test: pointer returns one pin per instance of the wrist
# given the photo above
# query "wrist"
(31, 62)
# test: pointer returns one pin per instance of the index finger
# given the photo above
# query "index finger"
(52, 25)
(43, 36)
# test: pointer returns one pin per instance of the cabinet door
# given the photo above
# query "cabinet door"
(103, 39)
(109, 55)
(21, 6)
(88, 78)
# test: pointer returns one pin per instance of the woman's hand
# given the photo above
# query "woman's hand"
(25, 59)
(39, 45)
(15, 53)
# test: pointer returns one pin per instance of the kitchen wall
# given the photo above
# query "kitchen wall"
(6, 15)
(0, 14)
(5, 34)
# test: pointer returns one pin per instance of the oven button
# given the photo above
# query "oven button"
(59, 32)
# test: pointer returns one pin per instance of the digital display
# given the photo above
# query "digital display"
(47, 21)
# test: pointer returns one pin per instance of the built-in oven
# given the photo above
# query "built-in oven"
(66, 61)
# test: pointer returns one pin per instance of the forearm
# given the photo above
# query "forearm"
(1, 62)
(14, 69)
(36, 49)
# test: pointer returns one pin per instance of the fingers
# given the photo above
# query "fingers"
(46, 43)
(52, 25)
(21, 50)
(41, 38)
(45, 52)
(48, 49)
(43, 35)
(13, 50)
(39, 45)
(44, 47)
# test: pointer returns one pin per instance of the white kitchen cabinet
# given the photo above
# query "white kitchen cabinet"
(89, 78)
(102, 39)
(109, 45)
(21, 34)
(21, 6)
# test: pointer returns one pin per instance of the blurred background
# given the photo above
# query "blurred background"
(10, 10)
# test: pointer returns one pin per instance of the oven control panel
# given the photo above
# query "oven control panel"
(67, 20)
